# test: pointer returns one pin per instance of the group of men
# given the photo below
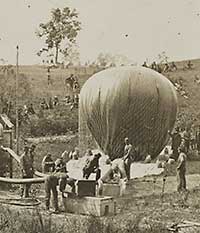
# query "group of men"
(168, 67)
(51, 103)
(190, 139)
(57, 174)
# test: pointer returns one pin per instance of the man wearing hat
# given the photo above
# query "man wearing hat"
(92, 165)
(181, 168)
(176, 141)
(27, 170)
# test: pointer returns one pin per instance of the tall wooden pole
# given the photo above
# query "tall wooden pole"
(17, 100)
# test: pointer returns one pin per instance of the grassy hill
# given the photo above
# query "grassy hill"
(189, 108)
(189, 102)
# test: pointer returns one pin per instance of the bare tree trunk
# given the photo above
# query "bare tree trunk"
(56, 56)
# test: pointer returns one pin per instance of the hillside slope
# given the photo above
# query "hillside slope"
(188, 93)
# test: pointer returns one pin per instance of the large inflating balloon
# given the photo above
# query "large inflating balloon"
(133, 102)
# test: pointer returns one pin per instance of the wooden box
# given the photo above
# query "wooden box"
(111, 190)
(96, 206)
(86, 188)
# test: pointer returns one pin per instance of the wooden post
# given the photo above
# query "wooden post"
(17, 113)
(11, 159)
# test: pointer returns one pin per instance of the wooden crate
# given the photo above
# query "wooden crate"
(96, 206)
(86, 188)
(112, 190)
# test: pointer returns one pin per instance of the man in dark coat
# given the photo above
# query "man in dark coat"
(176, 141)
(92, 166)
(26, 163)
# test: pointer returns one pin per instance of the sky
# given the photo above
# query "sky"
(139, 29)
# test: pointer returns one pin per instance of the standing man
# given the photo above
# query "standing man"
(49, 81)
(187, 138)
(50, 184)
(128, 157)
(32, 153)
(176, 142)
(74, 154)
(27, 170)
(60, 165)
(181, 169)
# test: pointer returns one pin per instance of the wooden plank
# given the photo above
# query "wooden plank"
(17, 158)
(192, 223)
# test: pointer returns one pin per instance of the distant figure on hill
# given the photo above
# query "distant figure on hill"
(50, 103)
(159, 68)
(31, 109)
(76, 86)
(75, 102)
(154, 66)
(69, 81)
(166, 68)
(43, 104)
(173, 66)
(145, 64)
(55, 100)
(197, 79)
(189, 65)
(49, 80)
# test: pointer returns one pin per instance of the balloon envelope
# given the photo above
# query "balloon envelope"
(133, 102)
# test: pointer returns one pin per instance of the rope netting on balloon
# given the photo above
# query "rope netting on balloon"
(140, 109)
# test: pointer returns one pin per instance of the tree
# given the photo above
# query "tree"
(63, 26)
(108, 60)
(162, 57)
(71, 54)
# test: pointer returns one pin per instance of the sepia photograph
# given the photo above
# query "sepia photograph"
(99, 116)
